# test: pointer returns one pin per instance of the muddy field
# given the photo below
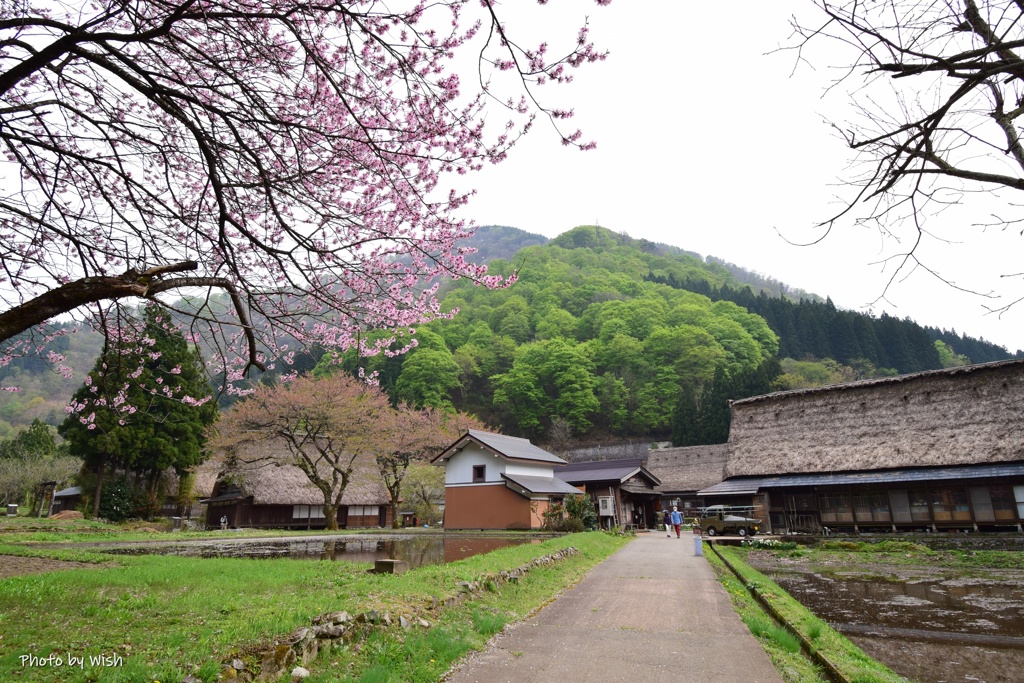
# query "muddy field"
(928, 622)
(12, 565)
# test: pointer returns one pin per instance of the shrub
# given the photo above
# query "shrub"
(581, 509)
(576, 514)
(147, 504)
(116, 501)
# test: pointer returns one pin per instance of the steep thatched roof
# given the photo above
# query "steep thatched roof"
(206, 474)
(688, 469)
(257, 472)
(960, 416)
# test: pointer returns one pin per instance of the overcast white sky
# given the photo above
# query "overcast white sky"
(708, 143)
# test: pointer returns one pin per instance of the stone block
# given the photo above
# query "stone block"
(390, 566)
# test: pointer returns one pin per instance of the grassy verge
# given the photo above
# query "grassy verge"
(161, 617)
(780, 645)
(844, 655)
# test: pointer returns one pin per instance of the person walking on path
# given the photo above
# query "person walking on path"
(667, 521)
(677, 521)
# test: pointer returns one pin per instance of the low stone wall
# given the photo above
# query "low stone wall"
(613, 452)
(303, 645)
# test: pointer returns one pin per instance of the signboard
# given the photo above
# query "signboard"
(606, 506)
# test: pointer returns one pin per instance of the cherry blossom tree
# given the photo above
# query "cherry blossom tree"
(938, 95)
(329, 427)
(416, 436)
(273, 170)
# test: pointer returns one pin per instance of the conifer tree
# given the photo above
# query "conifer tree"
(684, 417)
(713, 416)
(142, 416)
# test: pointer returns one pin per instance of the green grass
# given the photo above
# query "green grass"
(792, 666)
(166, 616)
(846, 656)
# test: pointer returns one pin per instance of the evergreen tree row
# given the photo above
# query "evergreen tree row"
(818, 329)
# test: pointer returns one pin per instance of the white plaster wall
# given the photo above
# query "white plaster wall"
(459, 468)
(528, 470)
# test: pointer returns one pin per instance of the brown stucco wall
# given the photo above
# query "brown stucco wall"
(485, 507)
(966, 416)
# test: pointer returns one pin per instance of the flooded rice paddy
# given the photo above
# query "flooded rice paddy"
(925, 626)
(417, 551)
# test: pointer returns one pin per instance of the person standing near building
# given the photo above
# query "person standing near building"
(666, 519)
(677, 521)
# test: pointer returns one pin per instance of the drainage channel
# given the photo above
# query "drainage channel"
(830, 669)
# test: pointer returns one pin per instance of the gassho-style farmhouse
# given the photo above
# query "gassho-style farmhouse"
(931, 451)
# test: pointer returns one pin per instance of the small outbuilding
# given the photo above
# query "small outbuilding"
(67, 499)
(624, 491)
(493, 481)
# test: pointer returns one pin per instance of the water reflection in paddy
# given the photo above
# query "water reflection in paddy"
(931, 631)
(417, 551)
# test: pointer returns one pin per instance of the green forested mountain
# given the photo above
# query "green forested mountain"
(582, 339)
(605, 334)
(817, 329)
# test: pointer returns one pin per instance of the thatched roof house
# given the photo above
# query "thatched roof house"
(931, 450)
(255, 489)
(966, 415)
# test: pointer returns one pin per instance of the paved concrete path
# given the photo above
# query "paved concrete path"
(650, 612)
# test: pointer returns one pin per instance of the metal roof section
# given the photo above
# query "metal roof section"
(70, 491)
(538, 485)
(737, 486)
(224, 497)
(897, 476)
(605, 470)
(905, 475)
(510, 447)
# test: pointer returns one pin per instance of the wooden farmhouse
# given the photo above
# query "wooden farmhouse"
(493, 481)
(67, 499)
(623, 490)
(929, 451)
(266, 495)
